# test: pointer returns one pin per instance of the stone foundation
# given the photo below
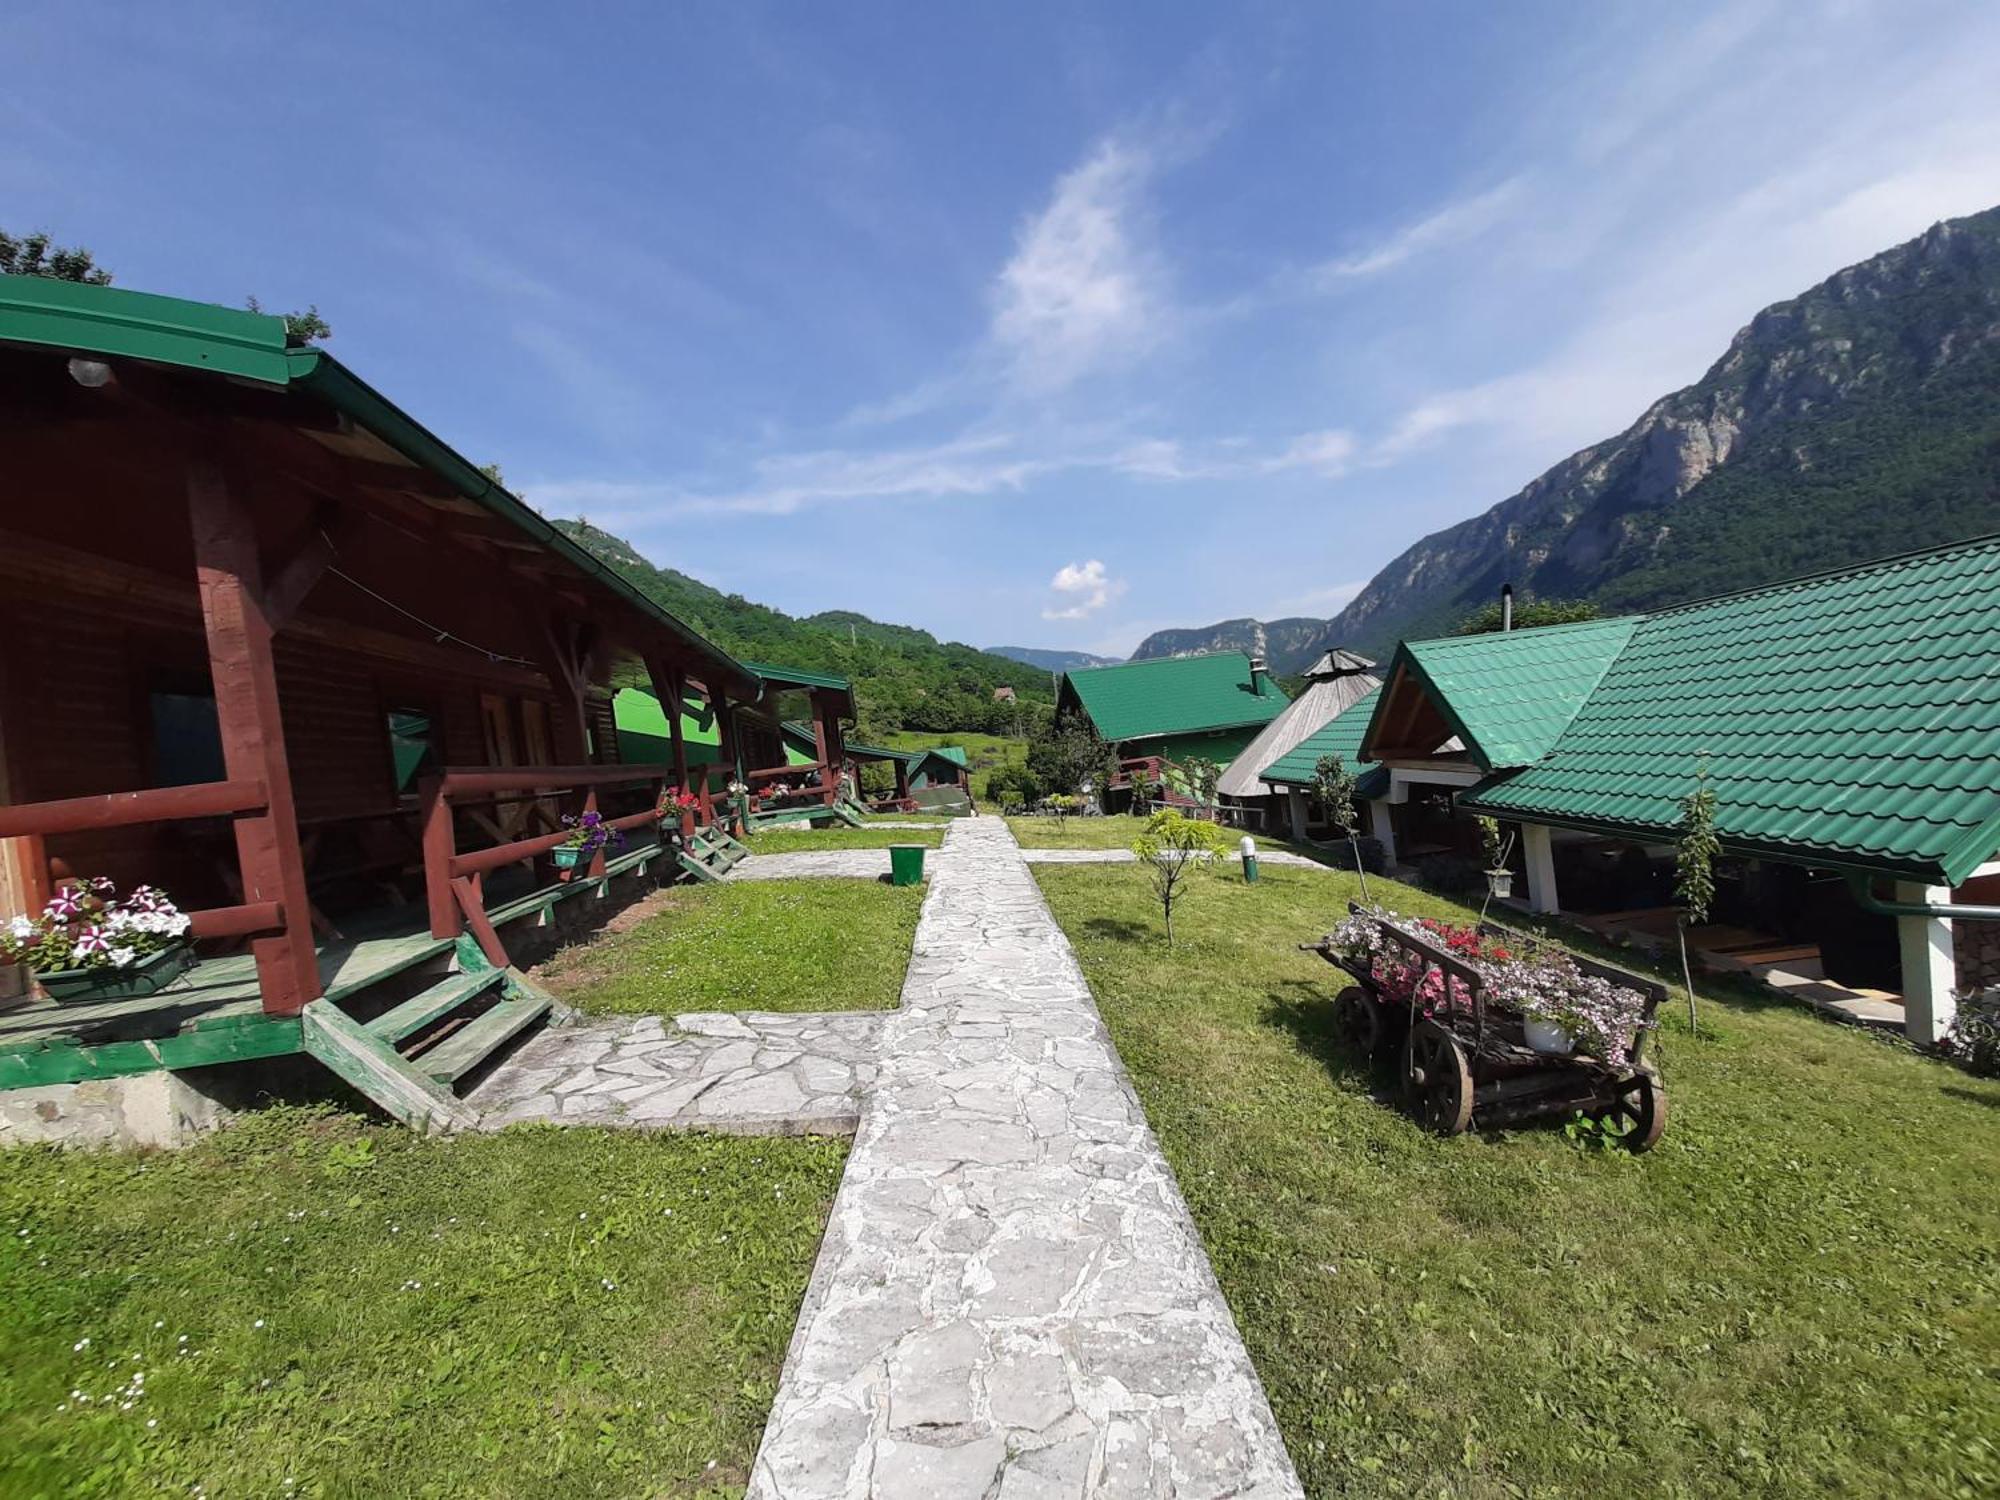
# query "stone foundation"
(146, 1109)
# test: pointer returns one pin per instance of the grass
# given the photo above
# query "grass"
(1797, 1292)
(786, 945)
(322, 1307)
(983, 752)
(781, 840)
(1116, 831)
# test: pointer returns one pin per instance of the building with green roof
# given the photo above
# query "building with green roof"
(1175, 707)
(1848, 724)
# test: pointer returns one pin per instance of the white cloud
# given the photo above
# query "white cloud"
(1464, 219)
(1080, 294)
(1081, 589)
(1328, 453)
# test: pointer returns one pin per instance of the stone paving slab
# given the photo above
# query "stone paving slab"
(1011, 1301)
(743, 1073)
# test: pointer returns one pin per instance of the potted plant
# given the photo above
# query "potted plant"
(588, 834)
(1499, 879)
(90, 943)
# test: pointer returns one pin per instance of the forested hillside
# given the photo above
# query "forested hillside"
(1859, 419)
(904, 678)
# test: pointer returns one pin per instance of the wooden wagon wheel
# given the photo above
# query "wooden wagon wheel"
(1357, 1020)
(1436, 1079)
(1639, 1109)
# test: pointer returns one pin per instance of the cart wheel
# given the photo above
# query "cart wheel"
(1357, 1020)
(1640, 1110)
(1436, 1080)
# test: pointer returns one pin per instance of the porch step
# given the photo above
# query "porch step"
(466, 1048)
(711, 854)
(849, 814)
(434, 1004)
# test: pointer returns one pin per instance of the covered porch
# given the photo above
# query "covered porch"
(282, 653)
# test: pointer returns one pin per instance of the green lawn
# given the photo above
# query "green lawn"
(1797, 1292)
(306, 1304)
(983, 752)
(781, 840)
(756, 945)
(1116, 831)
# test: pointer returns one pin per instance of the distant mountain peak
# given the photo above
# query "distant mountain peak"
(1051, 660)
(1289, 645)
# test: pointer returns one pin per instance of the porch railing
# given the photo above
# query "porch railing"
(454, 882)
(36, 821)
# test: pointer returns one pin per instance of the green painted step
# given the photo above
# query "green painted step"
(465, 1049)
(435, 1003)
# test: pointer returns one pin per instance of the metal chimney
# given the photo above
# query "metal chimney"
(1506, 606)
(1257, 674)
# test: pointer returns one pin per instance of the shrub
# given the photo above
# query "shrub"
(1373, 859)
(1974, 1038)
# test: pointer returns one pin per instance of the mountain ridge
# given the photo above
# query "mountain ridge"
(1049, 660)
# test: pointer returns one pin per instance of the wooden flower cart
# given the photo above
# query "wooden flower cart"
(1467, 1061)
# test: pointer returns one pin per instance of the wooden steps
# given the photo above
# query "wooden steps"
(434, 1004)
(711, 854)
(852, 815)
(407, 1059)
(469, 1046)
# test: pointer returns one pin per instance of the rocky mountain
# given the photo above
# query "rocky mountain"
(1857, 420)
(904, 678)
(1289, 645)
(1052, 661)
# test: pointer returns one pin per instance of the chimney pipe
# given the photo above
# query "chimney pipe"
(1257, 674)
(1506, 606)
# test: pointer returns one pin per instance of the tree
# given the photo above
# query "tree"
(1199, 776)
(1175, 848)
(1694, 869)
(1075, 754)
(300, 327)
(1142, 789)
(35, 255)
(1528, 613)
(1333, 789)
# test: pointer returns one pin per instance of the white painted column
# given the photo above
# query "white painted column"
(1382, 827)
(1930, 966)
(1541, 868)
(1296, 801)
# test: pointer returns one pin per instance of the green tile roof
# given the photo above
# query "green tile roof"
(1509, 695)
(1174, 695)
(1848, 719)
(1340, 735)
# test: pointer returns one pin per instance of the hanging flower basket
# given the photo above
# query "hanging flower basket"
(567, 855)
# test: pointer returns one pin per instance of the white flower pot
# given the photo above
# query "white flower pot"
(1500, 883)
(1546, 1036)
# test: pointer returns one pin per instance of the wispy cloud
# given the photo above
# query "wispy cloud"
(1455, 223)
(1081, 292)
(1081, 590)
(1329, 454)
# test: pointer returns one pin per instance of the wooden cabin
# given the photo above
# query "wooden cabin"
(1847, 724)
(275, 648)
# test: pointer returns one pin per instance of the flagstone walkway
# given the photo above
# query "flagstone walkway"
(745, 1073)
(1011, 1301)
(816, 864)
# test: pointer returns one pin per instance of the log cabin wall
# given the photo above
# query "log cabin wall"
(80, 716)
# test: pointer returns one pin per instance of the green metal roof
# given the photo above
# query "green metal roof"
(1509, 694)
(798, 729)
(1339, 735)
(1850, 719)
(639, 712)
(1174, 695)
(799, 677)
(953, 753)
(41, 312)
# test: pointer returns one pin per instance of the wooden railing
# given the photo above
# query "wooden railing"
(36, 821)
(825, 789)
(453, 882)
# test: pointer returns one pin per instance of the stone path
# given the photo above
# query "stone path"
(747, 1073)
(1011, 1301)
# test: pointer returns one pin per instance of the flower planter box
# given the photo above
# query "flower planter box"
(566, 858)
(148, 976)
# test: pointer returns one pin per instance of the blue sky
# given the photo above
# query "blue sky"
(1042, 325)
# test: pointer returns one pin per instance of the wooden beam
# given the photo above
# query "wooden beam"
(253, 735)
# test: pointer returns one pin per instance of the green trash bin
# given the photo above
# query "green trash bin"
(906, 864)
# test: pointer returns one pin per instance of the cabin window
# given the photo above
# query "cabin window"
(187, 739)
(412, 747)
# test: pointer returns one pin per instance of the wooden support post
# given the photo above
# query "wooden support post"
(440, 847)
(824, 733)
(24, 862)
(902, 780)
(670, 687)
(472, 901)
(568, 670)
(253, 735)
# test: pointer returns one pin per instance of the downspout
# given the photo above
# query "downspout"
(1861, 887)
